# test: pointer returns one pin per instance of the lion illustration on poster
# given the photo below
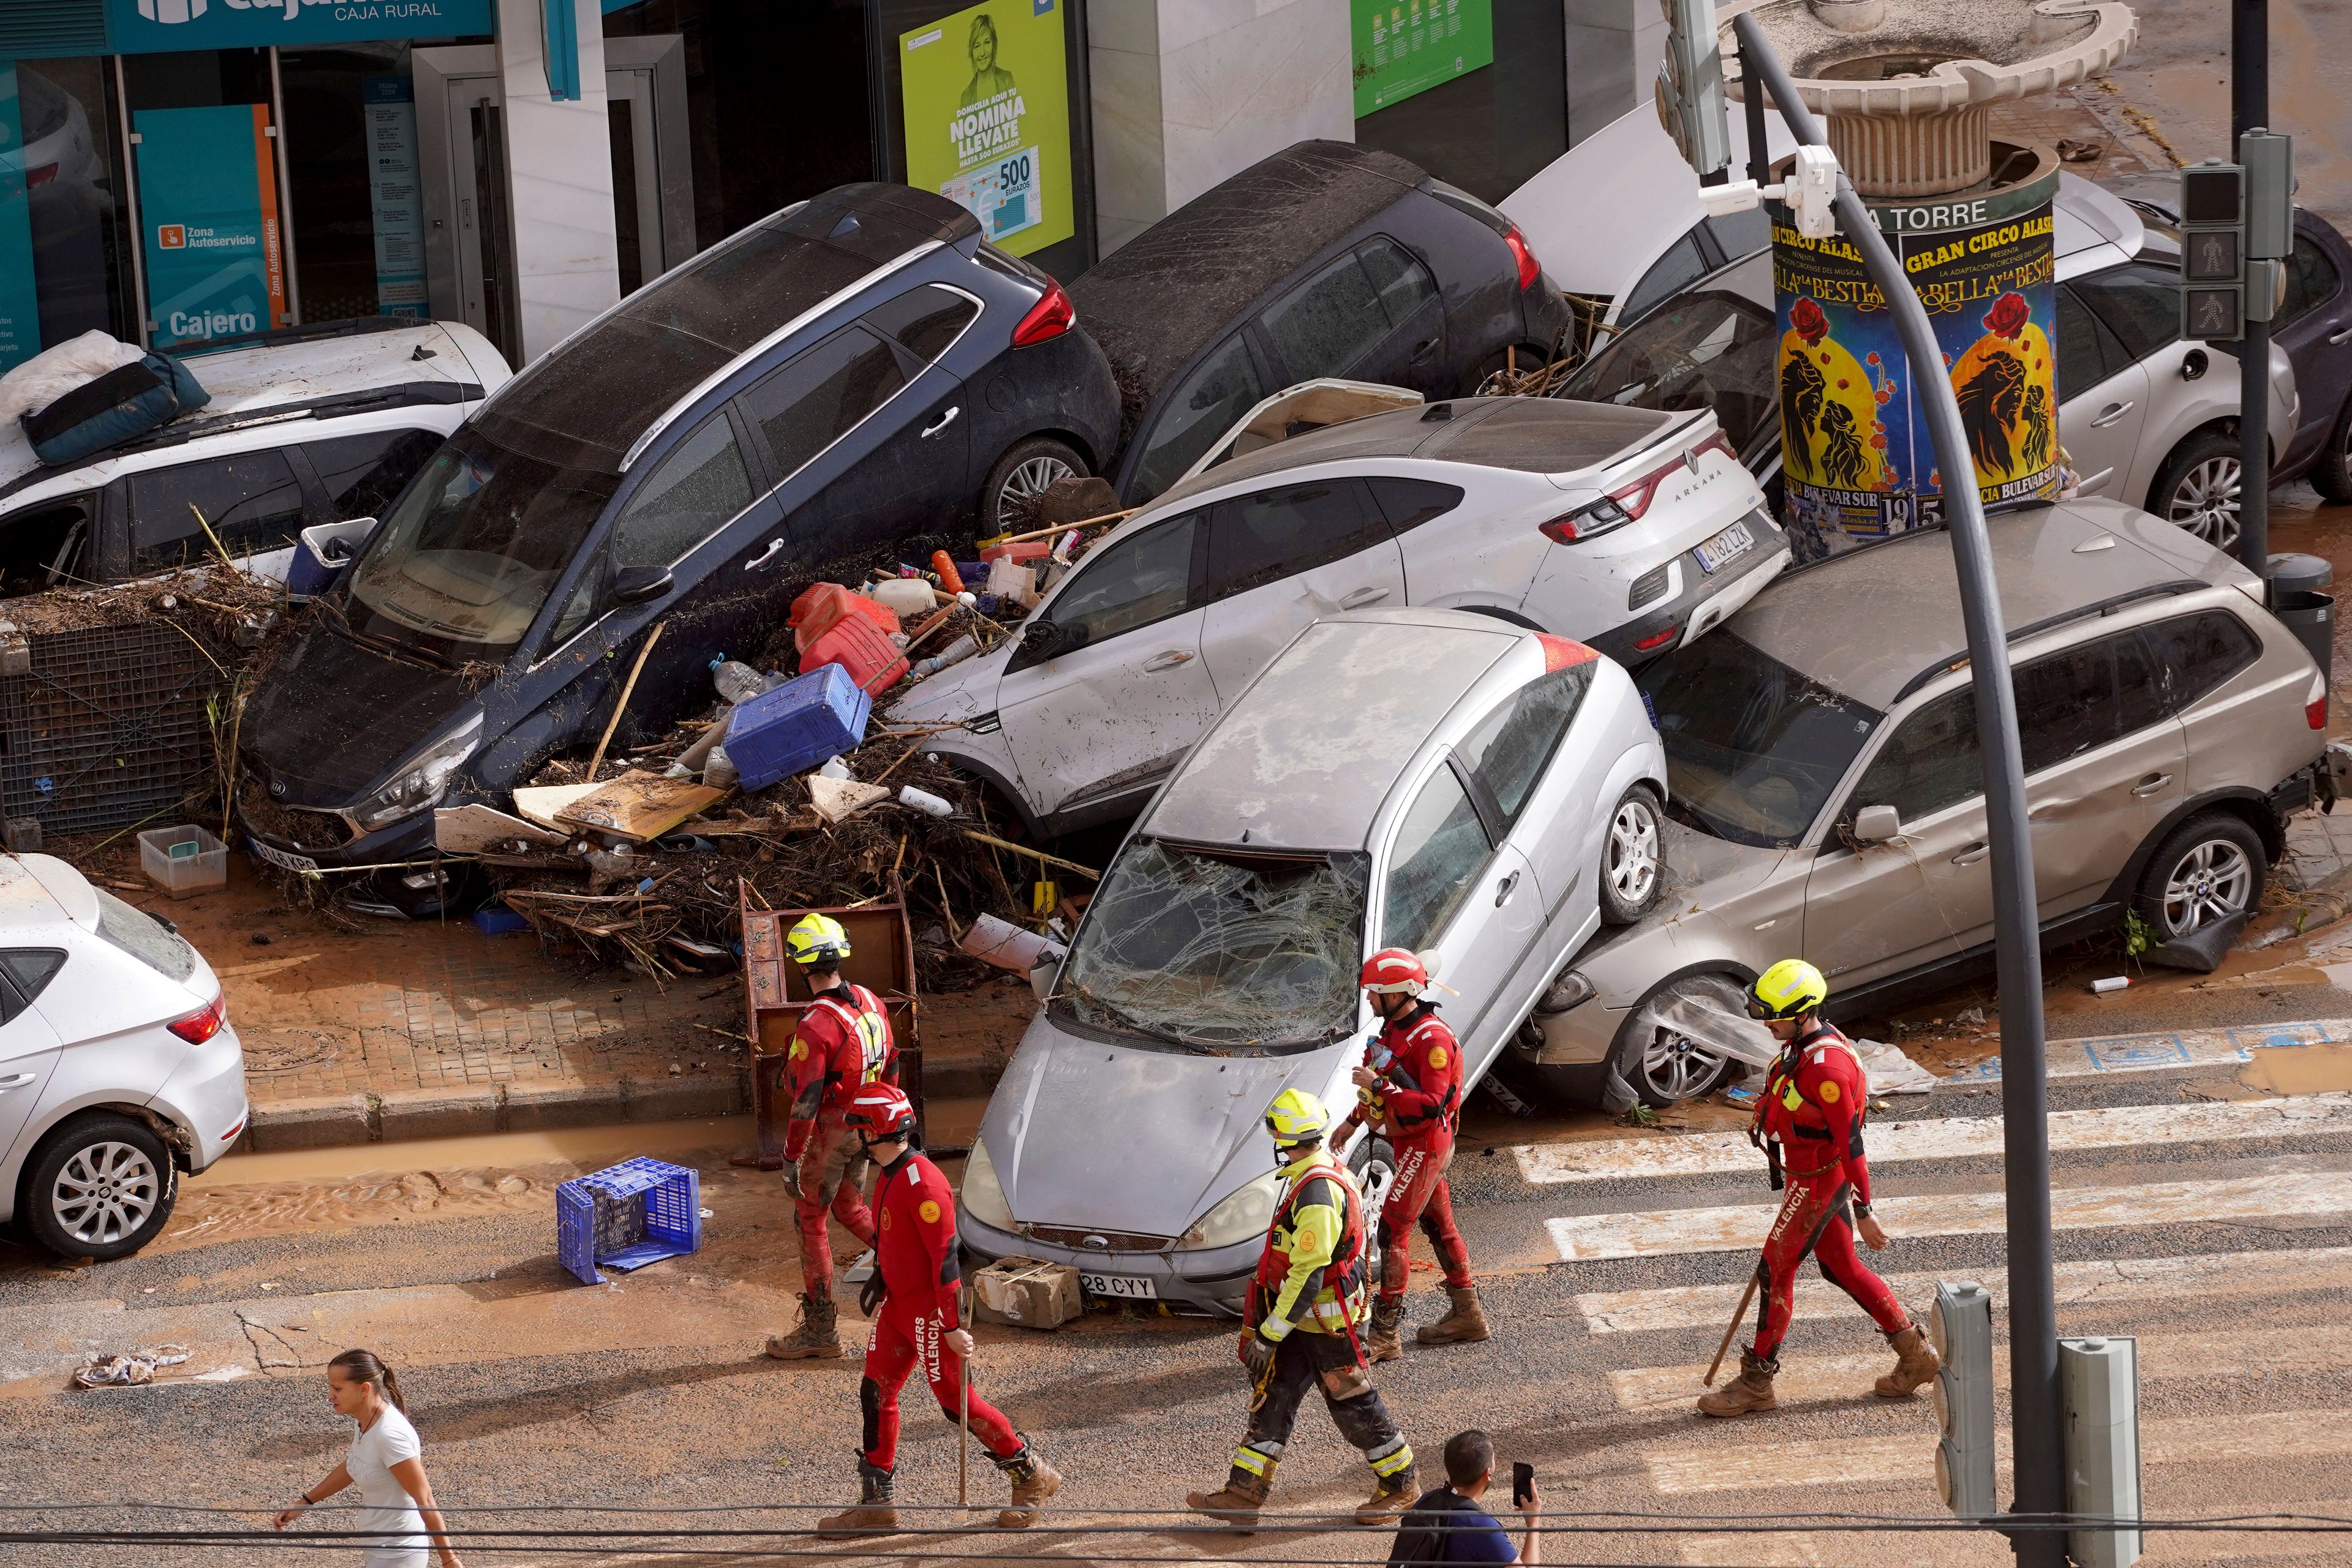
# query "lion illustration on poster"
(2004, 384)
(1829, 406)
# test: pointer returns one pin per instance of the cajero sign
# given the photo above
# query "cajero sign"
(216, 259)
(139, 27)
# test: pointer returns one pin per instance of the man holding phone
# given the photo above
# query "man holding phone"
(1448, 1526)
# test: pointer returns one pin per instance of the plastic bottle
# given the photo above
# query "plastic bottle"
(719, 772)
(950, 581)
(738, 682)
(955, 652)
(923, 800)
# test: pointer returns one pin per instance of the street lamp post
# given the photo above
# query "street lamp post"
(2249, 97)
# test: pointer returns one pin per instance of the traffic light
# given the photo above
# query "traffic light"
(2269, 163)
(2213, 252)
(1690, 86)
(1960, 1327)
(2098, 1387)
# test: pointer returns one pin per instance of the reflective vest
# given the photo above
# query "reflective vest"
(1339, 1306)
(866, 1023)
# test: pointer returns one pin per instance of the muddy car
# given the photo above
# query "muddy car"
(1395, 778)
(857, 370)
(1828, 796)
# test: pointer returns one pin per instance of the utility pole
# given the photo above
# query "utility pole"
(2250, 99)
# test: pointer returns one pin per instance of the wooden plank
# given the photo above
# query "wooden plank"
(638, 807)
(471, 829)
(541, 804)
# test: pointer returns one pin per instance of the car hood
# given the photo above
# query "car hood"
(1705, 876)
(333, 717)
(959, 692)
(1103, 1137)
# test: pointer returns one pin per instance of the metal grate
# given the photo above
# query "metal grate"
(31, 29)
(108, 728)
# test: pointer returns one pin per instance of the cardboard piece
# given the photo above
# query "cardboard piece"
(835, 799)
(1027, 1293)
(638, 807)
(471, 829)
(541, 804)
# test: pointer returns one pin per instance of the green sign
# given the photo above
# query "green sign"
(988, 119)
(148, 26)
(1405, 47)
(20, 305)
(208, 197)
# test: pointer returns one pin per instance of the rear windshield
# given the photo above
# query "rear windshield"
(1189, 948)
(1712, 351)
(1753, 747)
(144, 937)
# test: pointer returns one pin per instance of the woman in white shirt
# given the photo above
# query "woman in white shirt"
(396, 1507)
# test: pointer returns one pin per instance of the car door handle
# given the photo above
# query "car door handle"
(1972, 854)
(765, 556)
(16, 1080)
(1169, 659)
(2152, 784)
(2341, 335)
(1357, 598)
(945, 420)
(1505, 888)
(2113, 412)
(1421, 351)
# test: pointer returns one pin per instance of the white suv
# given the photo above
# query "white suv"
(311, 426)
(117, 1067)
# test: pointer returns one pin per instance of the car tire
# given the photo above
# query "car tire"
(2332, 475)
(1020, 477)
(100, 1186)
(2207, 869)
(2197, 489)
(1633, 863)
(1373, 1164)
(1659, 1064)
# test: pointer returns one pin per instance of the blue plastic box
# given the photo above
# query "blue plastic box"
(798, 725)
(672, 1199)
(321, 552)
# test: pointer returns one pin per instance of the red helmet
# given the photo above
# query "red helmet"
(880, 1110)
(1396, 969)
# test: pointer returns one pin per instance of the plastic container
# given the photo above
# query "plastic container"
(718, 770)
(792, 729)
(861, 648)
(1024, 550)
(972, 572)
(738, 682)
(321, 552)
(1010, 580)
(924, 801)
(636, 1213)
(954, 653)
(183, 860)
(903, 596)
(951, 580)
(825, 605)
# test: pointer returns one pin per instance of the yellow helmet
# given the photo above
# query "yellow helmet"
(818, 940)
(1297, 1118)
(1790, 989)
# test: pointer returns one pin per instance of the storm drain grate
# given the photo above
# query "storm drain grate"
(108, 728)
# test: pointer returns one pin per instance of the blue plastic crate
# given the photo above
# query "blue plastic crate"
(798, 725)
(672, 1199)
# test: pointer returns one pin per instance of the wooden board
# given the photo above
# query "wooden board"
(541, 804)
(471, 829)
(834, 799)
(638, 807)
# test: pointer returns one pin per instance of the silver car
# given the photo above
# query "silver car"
(1828, 798)
(1426, 779)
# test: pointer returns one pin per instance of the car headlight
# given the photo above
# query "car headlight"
(1243, 1217)
(422, 780)
(983, 1194)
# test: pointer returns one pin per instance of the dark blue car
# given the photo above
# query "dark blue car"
(853, 375)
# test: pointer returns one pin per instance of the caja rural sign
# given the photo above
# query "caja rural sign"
(141, 26)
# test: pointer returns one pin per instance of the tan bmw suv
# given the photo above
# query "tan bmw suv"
(1827, 798)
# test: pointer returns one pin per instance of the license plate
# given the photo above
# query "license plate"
(1729, 545)
(279, 858)
(1118, 1286)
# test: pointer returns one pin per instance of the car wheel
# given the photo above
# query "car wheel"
(1633, 863)
(2332, 475)
(1660, 1063)
(1373, 1164)
(1020, 477)
(100, 1186)
(2206, 870)
(2198, 488)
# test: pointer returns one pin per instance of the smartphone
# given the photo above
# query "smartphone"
(1523, 1484)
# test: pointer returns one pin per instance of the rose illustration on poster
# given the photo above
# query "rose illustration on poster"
(988, 122)
(2005, 385)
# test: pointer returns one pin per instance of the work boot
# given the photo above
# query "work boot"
(1746, 1394)
(1464, 1322)
(1237, 1502)
(1383, 1342)
(1390, 1498)
(1033, 1480)
(1914, 1363)
(817, 1337)
(874, 1514)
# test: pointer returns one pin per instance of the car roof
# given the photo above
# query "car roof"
(1531, 435)
(38, 890)
(1191, 277)
(1305, 757)
(1869, 623)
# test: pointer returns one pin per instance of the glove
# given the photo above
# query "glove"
(1257, 1353)
(792, 1179)
(870, 1294)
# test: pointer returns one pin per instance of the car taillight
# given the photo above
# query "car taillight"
(2314, 706)
(1049, 318)
(1627, 503)
(40, 176)
(1529, 268)
(1656, 640)
(203, 1025)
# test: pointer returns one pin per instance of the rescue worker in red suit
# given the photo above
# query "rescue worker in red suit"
(912, 1300)
(1809, 1118)
(841, 1043)
(1410, 1088)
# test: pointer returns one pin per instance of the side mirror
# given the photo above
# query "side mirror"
(2193, 365)
(1041, 639)
(639, 584)
(1046, 974)
(1876, 824)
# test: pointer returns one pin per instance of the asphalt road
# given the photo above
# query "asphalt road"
(2217, 1230)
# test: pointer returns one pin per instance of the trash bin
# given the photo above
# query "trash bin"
(2298, 598)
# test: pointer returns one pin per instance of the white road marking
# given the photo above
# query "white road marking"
(1891, 1142)
(2098, 1280)
(1737, 1228)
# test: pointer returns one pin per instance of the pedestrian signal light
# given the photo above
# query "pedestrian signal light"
(2098, 1388)
(1960, 1327)
(2213, 252)
(1689, 92)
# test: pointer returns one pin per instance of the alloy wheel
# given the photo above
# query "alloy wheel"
(1029, 480)
(1678, 1066)
(105, 1192)
(2212, 882)
(1633, 857)
(2205, 501)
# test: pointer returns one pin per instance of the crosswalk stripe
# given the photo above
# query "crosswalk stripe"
(1832, 1549)
(2157, 1052)
(1737, 1227)
(1893, 1142)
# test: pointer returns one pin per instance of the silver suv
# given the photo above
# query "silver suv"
(1827, 797)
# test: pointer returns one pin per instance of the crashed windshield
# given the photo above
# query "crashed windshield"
(1712, 351)
(473, 547)
(1197, 947)
(1753, 747)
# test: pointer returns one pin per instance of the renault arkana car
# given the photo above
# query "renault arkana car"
(1430, 780)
